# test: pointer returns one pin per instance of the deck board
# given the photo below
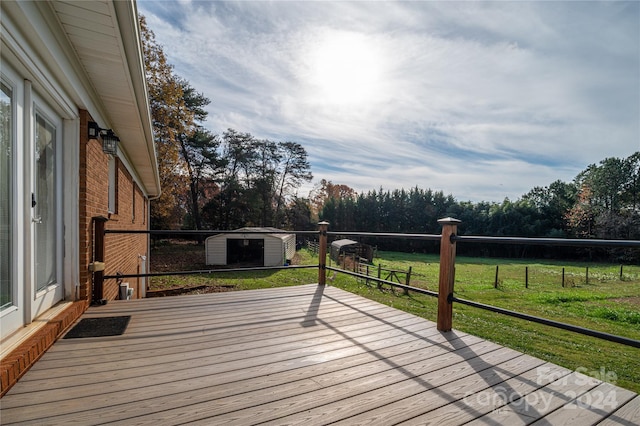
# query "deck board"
(295, 355)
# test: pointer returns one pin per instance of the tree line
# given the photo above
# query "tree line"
(603, 201)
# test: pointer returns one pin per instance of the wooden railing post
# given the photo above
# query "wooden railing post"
(322, 253)
(447, 273)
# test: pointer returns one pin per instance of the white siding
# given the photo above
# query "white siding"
(290, 246)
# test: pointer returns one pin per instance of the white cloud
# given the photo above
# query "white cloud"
(480, 100)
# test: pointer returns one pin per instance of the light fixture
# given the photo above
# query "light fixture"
(94, 130)
(110, 142)
(109, 139)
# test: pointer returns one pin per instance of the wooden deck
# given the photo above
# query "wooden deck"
(298, 355)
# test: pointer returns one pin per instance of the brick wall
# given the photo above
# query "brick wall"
(122, 251)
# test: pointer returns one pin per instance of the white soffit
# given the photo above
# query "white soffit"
(105, 37)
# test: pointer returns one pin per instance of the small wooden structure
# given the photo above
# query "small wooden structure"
(251, 246)
(394, 275)
(349, 248)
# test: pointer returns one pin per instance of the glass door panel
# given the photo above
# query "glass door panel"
(6, 191)
(43, 203)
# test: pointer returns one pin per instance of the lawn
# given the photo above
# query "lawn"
(606, 302)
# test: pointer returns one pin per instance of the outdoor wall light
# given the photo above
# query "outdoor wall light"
(110, 143)
(94, 130)
(109, 139)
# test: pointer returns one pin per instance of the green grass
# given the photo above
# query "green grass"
(605, 303)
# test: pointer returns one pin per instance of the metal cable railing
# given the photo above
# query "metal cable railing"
(445, 298)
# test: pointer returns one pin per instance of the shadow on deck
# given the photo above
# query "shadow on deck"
(308, 354)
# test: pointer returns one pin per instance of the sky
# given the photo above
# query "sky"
(480, 100)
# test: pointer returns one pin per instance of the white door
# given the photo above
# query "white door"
(31, 202)
(46, 215)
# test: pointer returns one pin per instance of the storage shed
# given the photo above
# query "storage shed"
(350, 247)
(251, 247)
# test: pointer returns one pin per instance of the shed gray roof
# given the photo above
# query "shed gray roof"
(278, 233)
(342, 243)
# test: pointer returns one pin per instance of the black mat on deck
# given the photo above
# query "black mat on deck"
(99, 327)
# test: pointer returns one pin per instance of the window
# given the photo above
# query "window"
(6, 195)
(133, 202)
(113, 185)
(44, 202)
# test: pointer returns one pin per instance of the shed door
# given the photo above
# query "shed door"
(249, 252)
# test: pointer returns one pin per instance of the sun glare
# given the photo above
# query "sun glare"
(345, 69)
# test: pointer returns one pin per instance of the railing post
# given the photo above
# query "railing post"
(621, 276)
(407, 281)
(447, 272)
(322, 253)
(97, 296)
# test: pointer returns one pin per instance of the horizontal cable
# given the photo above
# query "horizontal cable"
(209, 271)
(202, 232)
(547, 241)
(432, 237)
(574, 328)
